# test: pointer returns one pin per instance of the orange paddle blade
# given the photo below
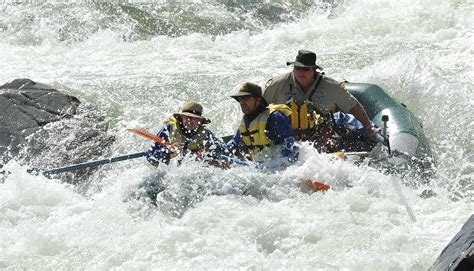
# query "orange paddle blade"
(150, 136)
(317, 186)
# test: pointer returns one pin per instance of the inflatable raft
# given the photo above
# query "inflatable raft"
(408, 144)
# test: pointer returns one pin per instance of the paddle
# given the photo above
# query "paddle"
(109, 160)
(93, 163)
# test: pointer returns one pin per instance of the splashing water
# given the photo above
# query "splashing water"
(139, 62)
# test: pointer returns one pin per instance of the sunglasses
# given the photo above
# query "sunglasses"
(302, 68)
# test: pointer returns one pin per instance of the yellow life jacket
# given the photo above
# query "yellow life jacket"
(308, 125)
(254, 136)
(304, 117)
(176, 135)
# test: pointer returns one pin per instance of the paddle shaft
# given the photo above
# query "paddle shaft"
(94, 163)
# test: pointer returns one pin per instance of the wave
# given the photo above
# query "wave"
(33, 23)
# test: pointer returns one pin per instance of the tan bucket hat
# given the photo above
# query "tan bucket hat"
(194, 110)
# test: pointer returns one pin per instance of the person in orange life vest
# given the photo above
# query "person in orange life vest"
(265, 130)
(186, 130)
(313, 96)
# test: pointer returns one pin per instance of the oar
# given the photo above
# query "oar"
(94, 163)
(109, 160)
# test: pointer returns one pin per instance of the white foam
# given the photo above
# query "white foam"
(420, 53)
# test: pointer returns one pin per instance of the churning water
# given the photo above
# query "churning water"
(138, 62)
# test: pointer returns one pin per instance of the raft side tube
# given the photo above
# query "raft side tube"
(404, 129)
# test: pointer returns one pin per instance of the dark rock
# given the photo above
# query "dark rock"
(47, 128)
(25, 106)
(459, 253)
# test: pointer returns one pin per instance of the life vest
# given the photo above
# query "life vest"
(309, 125)
(254, 136)
(177, 136)
(304, 117)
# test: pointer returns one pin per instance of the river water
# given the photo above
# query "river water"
(138, 62)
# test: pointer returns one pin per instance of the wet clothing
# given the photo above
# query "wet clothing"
(268, 127)
(201, 140)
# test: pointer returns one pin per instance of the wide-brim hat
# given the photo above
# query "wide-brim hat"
(305, 59)
(249, 89)
(194, 110)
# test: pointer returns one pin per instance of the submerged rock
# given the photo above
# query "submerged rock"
(43, 127)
